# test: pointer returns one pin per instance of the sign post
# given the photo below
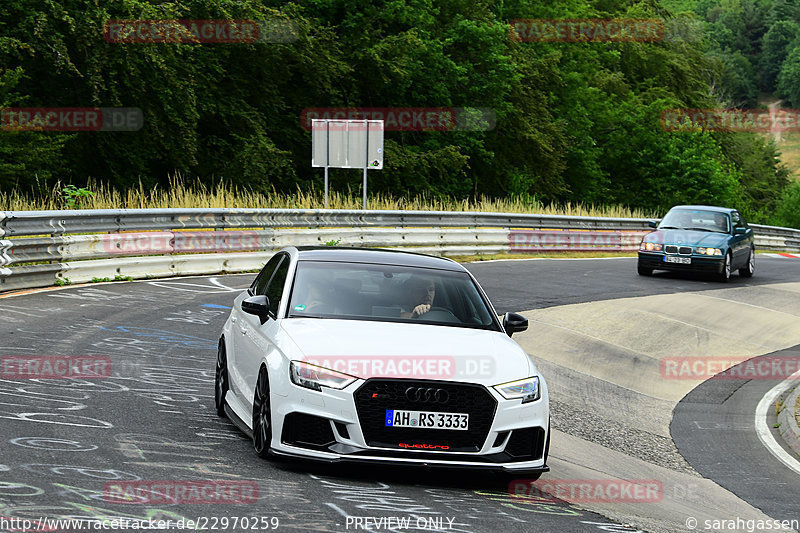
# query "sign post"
(339, 143)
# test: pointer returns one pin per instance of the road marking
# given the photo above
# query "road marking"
(187, 287)
(764, 434)
(214, 281)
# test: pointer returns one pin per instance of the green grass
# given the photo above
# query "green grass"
(790, 153)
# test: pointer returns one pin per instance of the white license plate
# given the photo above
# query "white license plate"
(674, 259)
(422, 419)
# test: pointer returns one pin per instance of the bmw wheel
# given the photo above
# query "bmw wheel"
(725, 268)
(643, 271)
(750, 269)
(221, 379)
(262, 415)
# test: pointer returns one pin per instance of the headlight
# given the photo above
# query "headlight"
(315, 377)
(650, 246)
(527, 389)
(708, 251)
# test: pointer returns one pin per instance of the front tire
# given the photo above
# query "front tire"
(262, 415)
(725, 269)
(750, 268)
(643, 271)
(221, 383)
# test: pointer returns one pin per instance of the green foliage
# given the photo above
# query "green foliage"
(333, 242)
(62, 282)
(788, 212)
(789, 78)
(75, 197)
(776, 44)
(572, 122)
(116, 278)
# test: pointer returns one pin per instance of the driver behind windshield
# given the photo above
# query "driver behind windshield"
(421, 292)
(721, 222)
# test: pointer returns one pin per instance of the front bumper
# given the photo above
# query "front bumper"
(699, 264)
(368, 457)
(325, 426)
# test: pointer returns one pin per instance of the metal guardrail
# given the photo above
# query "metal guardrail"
(141, 243)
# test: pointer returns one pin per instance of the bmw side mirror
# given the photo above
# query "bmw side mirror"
(258, 306)
(652, 223)
(514, 323)
(739, 231)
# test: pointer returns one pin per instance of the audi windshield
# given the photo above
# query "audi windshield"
(388, 293)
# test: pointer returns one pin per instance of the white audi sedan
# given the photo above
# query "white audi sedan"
(347, 354)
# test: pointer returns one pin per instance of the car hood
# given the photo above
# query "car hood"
(414, 351)
(688, 237)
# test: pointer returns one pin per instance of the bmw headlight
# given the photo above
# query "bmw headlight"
(650, 246)
(526, 389)
(708, 251)
(315, 377)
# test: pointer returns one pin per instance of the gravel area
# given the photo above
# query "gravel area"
(797, 411)
(587, 425)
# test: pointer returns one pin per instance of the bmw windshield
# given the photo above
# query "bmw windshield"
(388, 293)
(696, 220)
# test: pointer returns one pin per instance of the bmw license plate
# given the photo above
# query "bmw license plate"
(421, 419)
(674, 259)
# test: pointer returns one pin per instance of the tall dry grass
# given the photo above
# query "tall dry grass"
(179, 194)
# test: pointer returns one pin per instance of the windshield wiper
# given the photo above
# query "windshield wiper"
(668, 227)
(703, 229)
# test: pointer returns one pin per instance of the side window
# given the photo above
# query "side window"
(259, 286)
(275, 289)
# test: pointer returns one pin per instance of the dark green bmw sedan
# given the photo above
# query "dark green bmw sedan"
(699, 238)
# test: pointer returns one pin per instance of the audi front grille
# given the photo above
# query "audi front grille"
(375, 396)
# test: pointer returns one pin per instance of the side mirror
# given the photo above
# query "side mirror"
(739, 231)
(514, 323)
(258, 306)
(652, 223)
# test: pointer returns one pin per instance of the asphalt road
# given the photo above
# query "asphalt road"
(714, 429)
(538, 283)
(67, 445)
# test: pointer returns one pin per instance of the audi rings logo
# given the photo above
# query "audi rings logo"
(427, 395)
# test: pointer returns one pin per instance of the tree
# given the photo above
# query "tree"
(788, 212)
(774, 49)
(789, 78)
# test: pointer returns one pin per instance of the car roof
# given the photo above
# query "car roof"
(375, 256)
(705, 208)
